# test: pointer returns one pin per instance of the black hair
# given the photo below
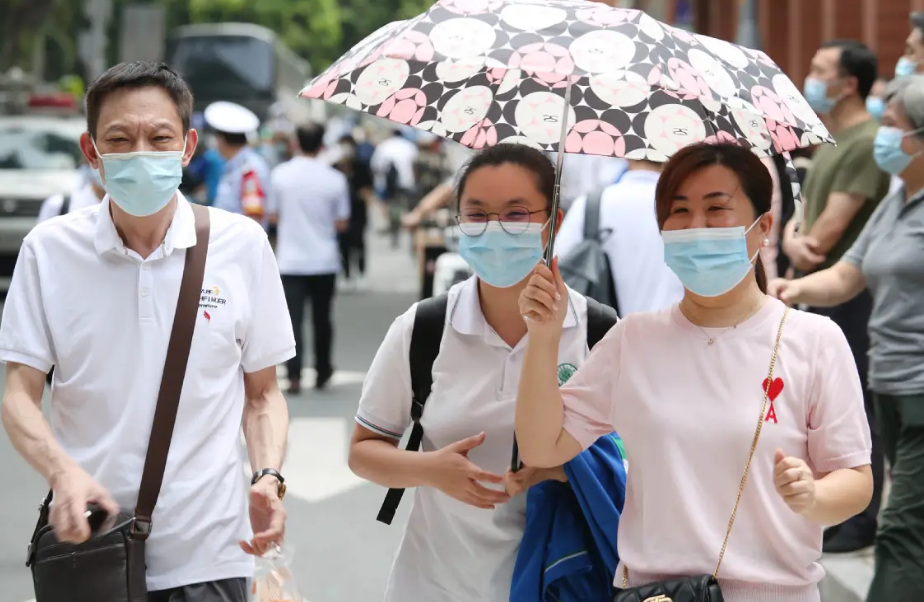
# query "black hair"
(524, 156)
(753, 176)
(233, 139)
(310, 138)
(348, 139)
(858, 61)
(917, 21)
(138, 74)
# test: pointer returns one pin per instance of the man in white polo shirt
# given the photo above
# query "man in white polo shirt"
(94, 295)
(310, 202)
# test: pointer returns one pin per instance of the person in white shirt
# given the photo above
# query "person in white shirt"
(632, 240)
(89, 193)
(310, 203)
(94, 295)
(582, 174)
(469, 513)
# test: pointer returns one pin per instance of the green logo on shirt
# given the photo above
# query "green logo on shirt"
(565, 371)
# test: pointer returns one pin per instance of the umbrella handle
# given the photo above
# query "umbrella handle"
(515, 464)
(556, 197)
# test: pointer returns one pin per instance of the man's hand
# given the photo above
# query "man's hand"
(74, 490)
(803, 252)
(267, 517)
(795, 482)
(455, 475)
(518, 482)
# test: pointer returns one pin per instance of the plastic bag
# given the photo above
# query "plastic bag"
(273, 580)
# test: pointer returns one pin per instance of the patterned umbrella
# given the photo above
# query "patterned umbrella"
(483, 72)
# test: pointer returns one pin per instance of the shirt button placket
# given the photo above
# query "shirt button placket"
(145, 293)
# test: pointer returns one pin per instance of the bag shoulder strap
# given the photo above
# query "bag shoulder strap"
(65, 205)
(592, 214)
(600, 319)
(747, 467)
(171, 384)
(426, 338)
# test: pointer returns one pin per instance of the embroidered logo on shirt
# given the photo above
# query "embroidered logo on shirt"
(207, 316)
(565, 371)
(775, 388)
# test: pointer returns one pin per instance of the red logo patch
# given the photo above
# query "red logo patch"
(207, 316)
(774, 390)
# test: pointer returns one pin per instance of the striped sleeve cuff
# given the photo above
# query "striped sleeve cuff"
(386, 430)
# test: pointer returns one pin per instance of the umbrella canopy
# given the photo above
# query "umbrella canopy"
(482, 72)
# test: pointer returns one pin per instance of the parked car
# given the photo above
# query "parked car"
(39, 157)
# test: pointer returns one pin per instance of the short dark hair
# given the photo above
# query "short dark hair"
(348, 139)
(917, 21)
(310, 137)
(232, 138)
(138, 74)
(521, 155)
(753, 176)
(858, 61)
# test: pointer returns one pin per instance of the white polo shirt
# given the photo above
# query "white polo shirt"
(309, 197)
(102, 316)
(452, 552)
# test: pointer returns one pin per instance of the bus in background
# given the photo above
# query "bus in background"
(242, 63)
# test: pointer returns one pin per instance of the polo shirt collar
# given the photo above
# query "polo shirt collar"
(180, 235)
(466, 317)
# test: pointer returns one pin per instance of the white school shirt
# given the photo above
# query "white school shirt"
(633, 245)
(452, 552)
(309, 197)
(83, 197)
(102, 316)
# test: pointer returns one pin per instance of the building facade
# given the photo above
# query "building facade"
(791, 30)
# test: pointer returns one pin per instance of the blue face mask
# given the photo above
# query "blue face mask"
(502, 259)
(905, 67)
(888, 153)
(708, 261)
(816, 94)
(142, 183)
(876, 107)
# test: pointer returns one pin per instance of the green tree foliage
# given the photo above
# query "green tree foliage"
(318, 30)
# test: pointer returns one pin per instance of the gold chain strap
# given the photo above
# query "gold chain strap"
(747, 468)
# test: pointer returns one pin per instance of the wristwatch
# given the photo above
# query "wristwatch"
(273, 473)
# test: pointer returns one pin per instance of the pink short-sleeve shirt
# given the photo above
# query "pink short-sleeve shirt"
(687, 411)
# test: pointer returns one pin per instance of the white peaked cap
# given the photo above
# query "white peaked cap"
(231, 118)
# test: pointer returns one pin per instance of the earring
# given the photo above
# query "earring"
(766, 242)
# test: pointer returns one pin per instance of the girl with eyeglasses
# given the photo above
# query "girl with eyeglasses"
(469, 514)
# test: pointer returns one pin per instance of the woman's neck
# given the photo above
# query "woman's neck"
(914, 183)
(725, 311)
(501, 310)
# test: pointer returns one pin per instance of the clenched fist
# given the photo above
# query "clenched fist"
(794, 481)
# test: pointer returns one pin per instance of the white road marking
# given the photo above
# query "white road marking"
(316, 466)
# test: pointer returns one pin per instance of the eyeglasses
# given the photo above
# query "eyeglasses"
(514, 220)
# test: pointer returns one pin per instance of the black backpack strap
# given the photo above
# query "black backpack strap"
(429, 321)
(592, 214)
(600, 318)
(65, 204)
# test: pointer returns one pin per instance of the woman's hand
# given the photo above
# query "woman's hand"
(544, 301)
(455, 475)
(795, 482)
(518, 482)
(787, 291)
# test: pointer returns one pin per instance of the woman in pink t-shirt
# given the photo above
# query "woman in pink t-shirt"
(684, 387)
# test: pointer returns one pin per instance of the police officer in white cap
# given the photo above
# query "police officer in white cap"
(246, 177)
